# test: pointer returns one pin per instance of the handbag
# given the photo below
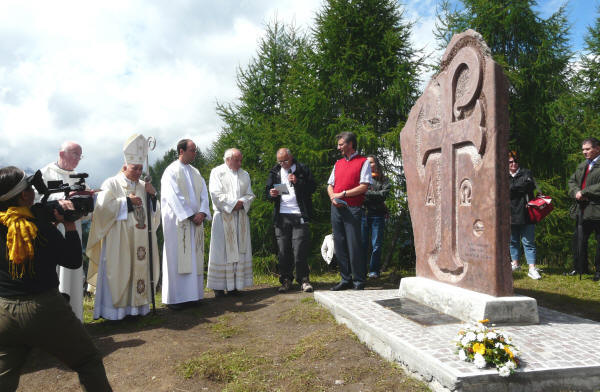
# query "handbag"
(539, 208)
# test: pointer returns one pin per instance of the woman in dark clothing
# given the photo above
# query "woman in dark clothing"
(373, 220)
(522, 186)
(32, 311)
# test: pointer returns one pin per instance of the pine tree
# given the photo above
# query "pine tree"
(367, 69)
(357, 71)
(589, 80)
(535, 55)
(544, 121)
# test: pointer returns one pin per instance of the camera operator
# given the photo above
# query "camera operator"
(32, 311)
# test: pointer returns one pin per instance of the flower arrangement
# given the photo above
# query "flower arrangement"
(486, 346)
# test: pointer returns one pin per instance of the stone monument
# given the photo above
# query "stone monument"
(455, 157)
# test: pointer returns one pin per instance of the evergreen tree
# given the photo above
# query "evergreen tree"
(367, 70)
(259, 123)
(357, 72)
(535, 55)
(589, 80)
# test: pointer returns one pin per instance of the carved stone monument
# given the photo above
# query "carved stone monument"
(455, 156)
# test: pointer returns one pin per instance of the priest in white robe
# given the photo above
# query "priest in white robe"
(70, 280)
(184, 202)
(118, 245)
(230, 255)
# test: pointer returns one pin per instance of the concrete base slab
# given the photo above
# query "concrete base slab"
(560, 353)
(469, 305)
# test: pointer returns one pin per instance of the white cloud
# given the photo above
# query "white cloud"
(96, 72)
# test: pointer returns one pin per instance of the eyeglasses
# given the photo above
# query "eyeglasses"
(511, 162)
(284, 161)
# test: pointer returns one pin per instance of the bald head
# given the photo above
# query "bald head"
(69, 155)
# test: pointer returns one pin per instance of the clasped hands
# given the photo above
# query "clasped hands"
(136, 200)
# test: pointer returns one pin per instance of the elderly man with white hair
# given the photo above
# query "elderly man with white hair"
(71, 280)
(118, 245)
(230, 257)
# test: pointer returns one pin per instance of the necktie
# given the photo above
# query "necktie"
(587, 170)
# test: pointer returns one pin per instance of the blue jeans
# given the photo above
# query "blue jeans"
(526, 235)
(372, 230)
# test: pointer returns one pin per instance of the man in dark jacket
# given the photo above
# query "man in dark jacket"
(584, 187)
(290, 186)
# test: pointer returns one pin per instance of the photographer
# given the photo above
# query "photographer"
(32, 311)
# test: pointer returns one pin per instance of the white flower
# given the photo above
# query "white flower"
(503, 371)
(470, 336)
(479, 361)
(491, 335)
(465, 342)
(510, 365)
(480, 337)
(462, 355)
(499, 345)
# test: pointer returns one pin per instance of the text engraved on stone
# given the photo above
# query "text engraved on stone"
(462, 125)
(478, 252)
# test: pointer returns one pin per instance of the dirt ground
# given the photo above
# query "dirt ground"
(257, 341)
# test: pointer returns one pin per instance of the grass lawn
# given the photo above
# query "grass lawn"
(564, 293)
(265, 341)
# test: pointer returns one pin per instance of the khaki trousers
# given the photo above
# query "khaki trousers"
(46, 321)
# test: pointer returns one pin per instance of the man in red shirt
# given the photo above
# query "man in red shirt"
(347, 184)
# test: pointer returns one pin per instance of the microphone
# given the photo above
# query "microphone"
(290, 172)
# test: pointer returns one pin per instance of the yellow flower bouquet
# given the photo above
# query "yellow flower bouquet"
(487, 347)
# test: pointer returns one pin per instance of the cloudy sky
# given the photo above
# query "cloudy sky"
(98, 71)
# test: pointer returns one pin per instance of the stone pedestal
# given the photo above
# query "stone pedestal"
(558, 354)
(469, 305)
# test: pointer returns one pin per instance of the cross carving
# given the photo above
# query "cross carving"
(446, 140)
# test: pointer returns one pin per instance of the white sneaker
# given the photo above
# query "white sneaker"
(515, 267)
(534, 274)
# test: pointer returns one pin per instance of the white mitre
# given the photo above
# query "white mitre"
(135, 150)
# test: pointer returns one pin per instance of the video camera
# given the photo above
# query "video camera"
(83, 200)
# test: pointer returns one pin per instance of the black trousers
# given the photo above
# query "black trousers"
(293, 242)
(589, 227)
(346, 224)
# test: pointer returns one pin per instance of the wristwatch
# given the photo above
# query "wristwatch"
(344, 193)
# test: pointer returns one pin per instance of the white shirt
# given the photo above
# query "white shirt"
(288, 204)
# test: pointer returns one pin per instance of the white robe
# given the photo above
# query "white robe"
(70, 280)
(183, 194)
(230, 257)
(118, 251)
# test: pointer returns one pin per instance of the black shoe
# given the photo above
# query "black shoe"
(219, 293)
(596, 277)
(342, 286)
(176, 306)
(359, 286)
(285, 286)
(234, 292)
(574, 272)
